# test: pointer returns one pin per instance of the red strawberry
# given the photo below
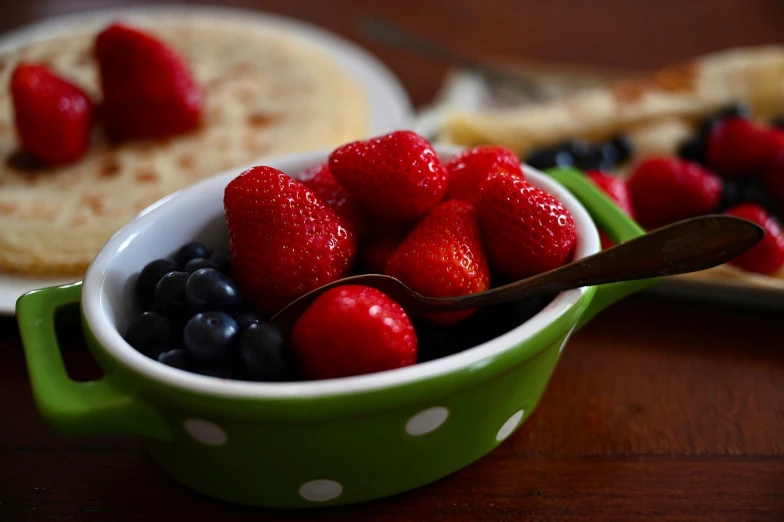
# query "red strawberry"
(443, 257)
(738, 147)
(284, 240)
(321, 181)
(526, 230)
(148, 91)
(665, 190)
(617, 190)
(614, 187)
(377, 251)
(767, 256)
(353, 330)
(52, 116)
(773, 177)
(397, 176)
(470, 168)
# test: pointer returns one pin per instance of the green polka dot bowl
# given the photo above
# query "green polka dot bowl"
(301, 444)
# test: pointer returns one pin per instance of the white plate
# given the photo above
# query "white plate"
(390, 107)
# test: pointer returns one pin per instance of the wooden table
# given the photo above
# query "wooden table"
(658, 409)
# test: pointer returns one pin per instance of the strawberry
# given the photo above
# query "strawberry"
(443, 257)
(665, 190)
(148, 91)
(321, 181)
(52, 116)
(614, 187)
(353, 330)
(470, 168)
(767, 256)
(284, 240)
(738, 147)
(617, 190)
(526, 230)
(397, 177)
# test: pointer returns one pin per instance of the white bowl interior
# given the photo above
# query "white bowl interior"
(197, 213)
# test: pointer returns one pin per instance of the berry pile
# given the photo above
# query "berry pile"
(605, 156)
(746, 156)
(195, 319)
(731, 164)
(383, 205)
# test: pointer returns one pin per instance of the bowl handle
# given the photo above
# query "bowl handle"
(72, 407)
(615, 222)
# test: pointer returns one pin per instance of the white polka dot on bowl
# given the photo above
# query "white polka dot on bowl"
(205, 432)
(510, 425)
(320, 490)
(426, 421)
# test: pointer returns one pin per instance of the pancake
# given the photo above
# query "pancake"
(266, 94)
(675, 98)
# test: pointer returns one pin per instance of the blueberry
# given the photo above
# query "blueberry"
(610, 153)
(624, 148)
(208, 289)
(170, 299)
(190, 251)
(149, 277)
(693, 149)
(211, 336)
(746, 190)
(244, 320)
(779, 122)
(542, 158)
(549, 157)
(178, 358)
(593, 158)
(151, 334)
(563, 158)
(580, 150)
(752, 191)
(222, 258)
(735, 110)
(198, 263)
(731, 194)
(262, 353)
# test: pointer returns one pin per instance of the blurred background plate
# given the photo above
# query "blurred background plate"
(474, 91)
(389, 104)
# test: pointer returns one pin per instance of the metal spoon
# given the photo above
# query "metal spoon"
(385, 32)
(686, 246)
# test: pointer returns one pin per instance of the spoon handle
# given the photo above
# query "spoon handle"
(387, 33)
(686, 246)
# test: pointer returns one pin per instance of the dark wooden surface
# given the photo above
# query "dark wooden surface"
(659, 409)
